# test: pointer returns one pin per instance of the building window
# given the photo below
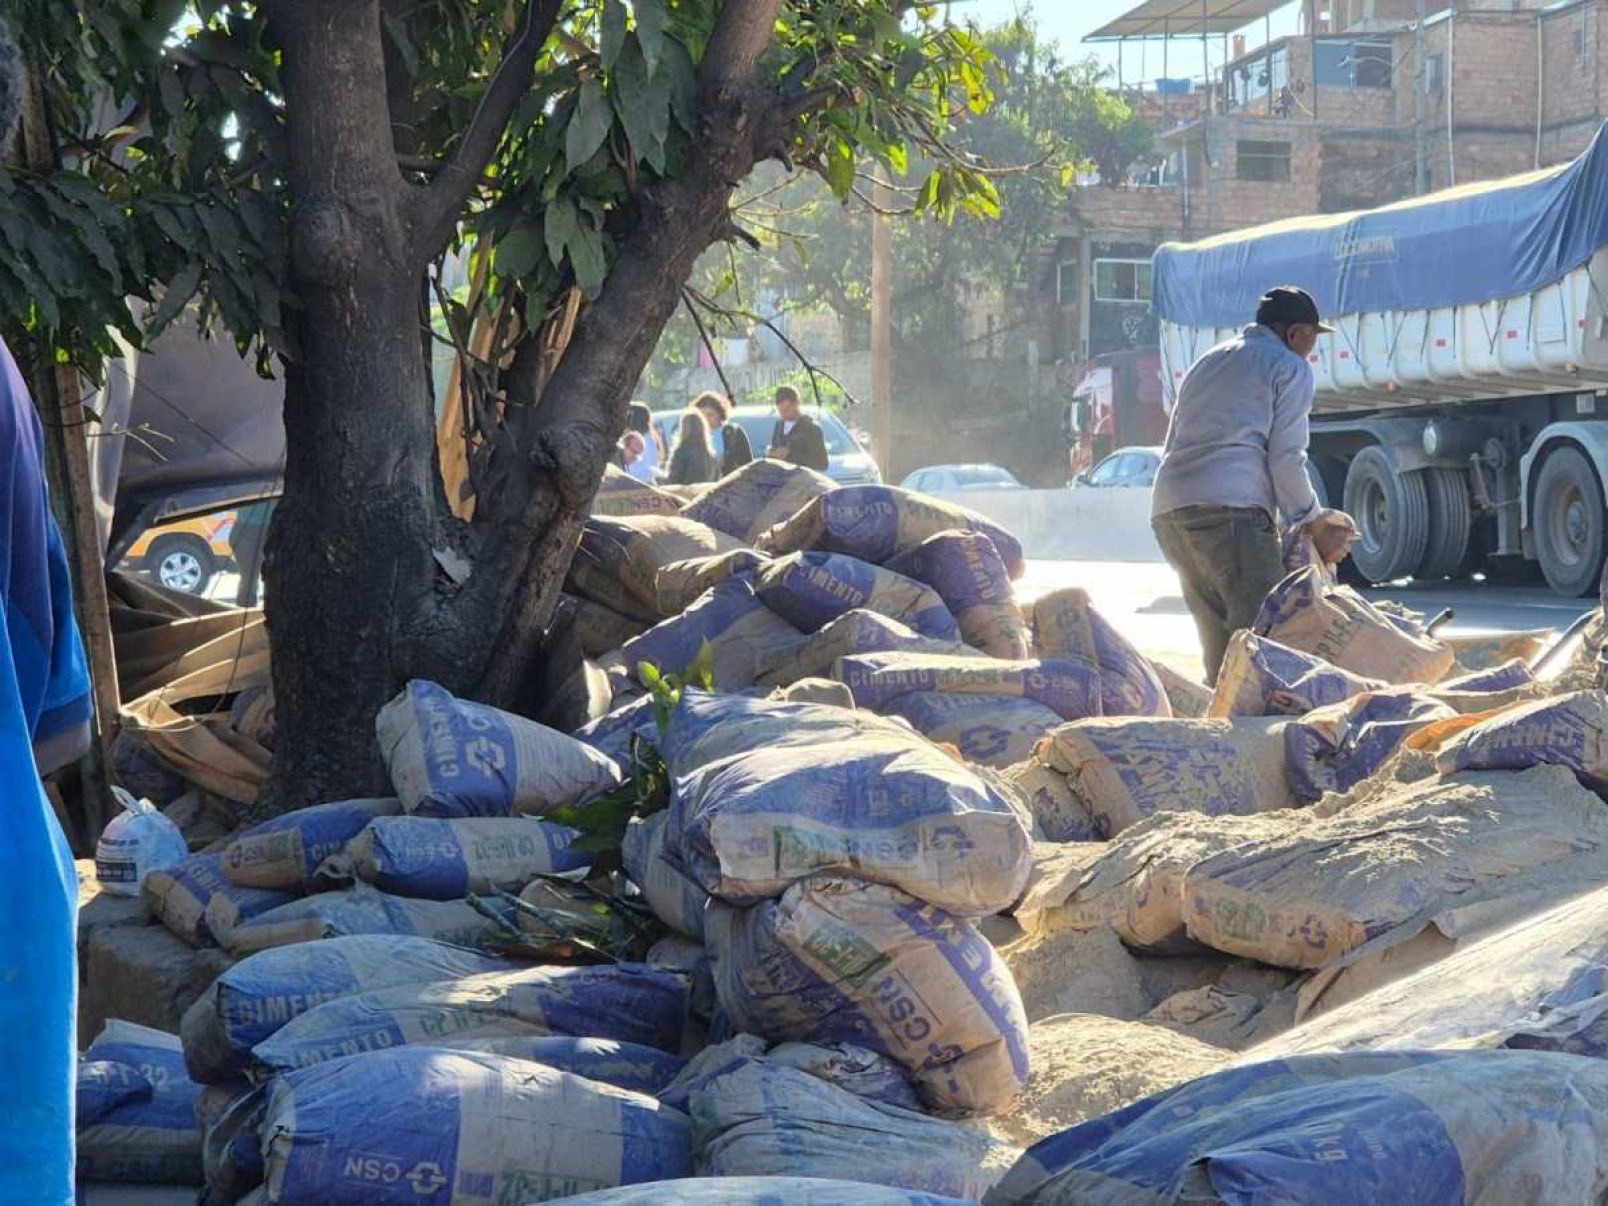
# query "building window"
(1353, 63)
(1251, 79)
(1122, 280)
(1066, 283)
(1266, 162)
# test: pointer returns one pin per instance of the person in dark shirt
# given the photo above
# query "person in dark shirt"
(694, 459)
(729, 439)
(796, 438)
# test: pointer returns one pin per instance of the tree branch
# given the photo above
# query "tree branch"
(437, 205)
(708, 343)
(743, 32)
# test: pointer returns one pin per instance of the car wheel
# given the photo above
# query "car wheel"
(181, 563)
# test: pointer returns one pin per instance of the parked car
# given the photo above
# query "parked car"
(938, 479)
(847, 463)
(184, 556)
(1131, 467)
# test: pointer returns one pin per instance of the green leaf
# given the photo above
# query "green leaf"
(562, 226)
(683, 84)
(644, 107)
(612, 37)
(590, 263)
(179, 291)
(650, 22)
(517, 252)
(589, 126)
(840, 168)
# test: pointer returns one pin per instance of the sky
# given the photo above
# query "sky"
(1067, 21)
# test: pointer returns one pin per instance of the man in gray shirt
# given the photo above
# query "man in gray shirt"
(1235, 455)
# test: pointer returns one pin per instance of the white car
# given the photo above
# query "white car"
(1131, 467)
(945, 479)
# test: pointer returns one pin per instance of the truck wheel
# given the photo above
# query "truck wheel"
(1567, 522)
(1319, 486)
(1450, 518)
(1392, 514)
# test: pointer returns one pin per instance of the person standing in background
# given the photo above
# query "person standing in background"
(693, 460)
(645, 468)
(796, 438)
(730, 441)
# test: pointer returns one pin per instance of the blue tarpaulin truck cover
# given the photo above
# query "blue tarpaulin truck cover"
(1453, 248)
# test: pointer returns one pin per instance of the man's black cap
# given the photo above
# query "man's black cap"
(1286, 303)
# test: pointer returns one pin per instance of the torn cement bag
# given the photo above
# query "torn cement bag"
(440, 859)
(1190, 700)
(885, 806)
(1066, 625)
(1124, 770)
(676, 899)
(759, 1119)
(856, 1070)
(758, 496)
(620, 494)
(813, 690)
(1313, 895)
(608, 1061)
(740, 630)
(1338, 625)
(1475, 653)
(181, 896)
(1069, 689)
(451, 758)
(1334, 748)
(357, 910)
(759, 1191)
(810, 590)
(970, 577)
(876, 523)
(1261, 677)
(599, 629)
(1359, 1127)
(842, 960)
(627, 1001)
(857, 631)
(688, 957)
(991, 730)
(140, 1138)
(285, 852)
(1059, 813)
(618, 559)
(1563, 730)
(677, 585)
(420, 1125)
(255, 997)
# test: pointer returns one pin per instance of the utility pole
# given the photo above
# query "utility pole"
(881, 326)
(1420, 82)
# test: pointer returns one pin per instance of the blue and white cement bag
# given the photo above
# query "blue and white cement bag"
(679, 584)
(1059, 814)
(1332, 749)
(876, 523)
(623, 1065)
(1563, 730)
(677, 900)
(761, 1191)
(840, 960)
(612, 733)
(1066, 625)
(854, 1069)
(740, 630)
(810, 590)
(630, 1002)
(360, 909)
(970, 577)
(1069, 689)
(885, 806)
(427, 1126)
(1427, 1127)
(255, 997)
(690, 958)
(182, 896)
(285, 852)
(438, 859)
(450, 758)
(857, 631)
(761, 1119)
(1260, 677)
(599, 629)
(991, 730)
(147, 1138)
(1504, 676)
(1124, 770)
(757, 497)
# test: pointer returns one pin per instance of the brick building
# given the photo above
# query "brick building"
(1374, 101)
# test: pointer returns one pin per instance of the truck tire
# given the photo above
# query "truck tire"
(1566, 520)
(1392, 514)
(1451, 516)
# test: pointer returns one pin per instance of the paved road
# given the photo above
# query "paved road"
(1144, 600)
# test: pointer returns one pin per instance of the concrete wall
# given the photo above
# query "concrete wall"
(1071, 524)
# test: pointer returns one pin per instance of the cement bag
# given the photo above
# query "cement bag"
(741, 631)
(451, 758)
(1563, 730)
(1332, 749)
(630, 1002)
(815, 691)
(758, 1119)
(700, 730)
(420, 1125)
(1260, 677)
(676, 899)
(761, 1191)
(853, 1069)
(1126, 770)
(810, 590)
(144, 1137)
(621, 494)
(876, 523)
(970, 577)
(255, 997)
(1069, 689)
(1059, 813)
(1338, 625)
(857, 631)
(837, 960)
(688, 957)
(181, 895)
(437, 859)
(611, 734)
(624, 1065)
(618, 559)
(360, 910)
(757, 497)
(137, 841)
(599, 629)
(677, 585)
(1189, 699)
(285, 852)
(1066, 625)
(991, 730)
(886, 807)
(1433, 1128)
(1504, 676)
(1309, 897)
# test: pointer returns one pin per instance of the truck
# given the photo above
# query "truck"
(1116, 402)
(1461, 405)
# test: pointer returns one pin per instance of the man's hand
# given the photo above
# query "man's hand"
(1333, 533)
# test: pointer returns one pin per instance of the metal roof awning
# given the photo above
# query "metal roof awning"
(1184, 18)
